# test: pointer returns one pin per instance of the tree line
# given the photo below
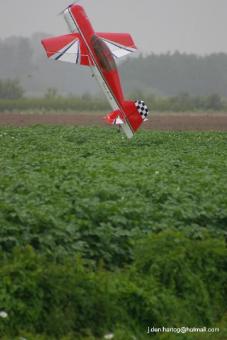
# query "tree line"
(170, 74)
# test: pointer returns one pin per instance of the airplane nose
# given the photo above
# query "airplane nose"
(69, 6)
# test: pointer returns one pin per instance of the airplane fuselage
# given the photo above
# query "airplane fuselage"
(102, 62)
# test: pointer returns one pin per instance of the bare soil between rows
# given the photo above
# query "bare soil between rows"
(168, 122)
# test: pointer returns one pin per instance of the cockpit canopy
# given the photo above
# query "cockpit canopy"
(103, 53)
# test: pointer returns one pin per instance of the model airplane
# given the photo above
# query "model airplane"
(98, 51)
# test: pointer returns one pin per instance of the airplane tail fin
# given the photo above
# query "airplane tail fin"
(130, 118)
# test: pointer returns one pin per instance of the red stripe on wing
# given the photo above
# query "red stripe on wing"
(124, 39)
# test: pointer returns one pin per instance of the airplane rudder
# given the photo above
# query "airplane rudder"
(136, 112)
(142, 109)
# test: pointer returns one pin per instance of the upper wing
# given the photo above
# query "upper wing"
(120, 44)
(69, 48)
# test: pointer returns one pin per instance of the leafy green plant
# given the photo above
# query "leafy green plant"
(99, 235)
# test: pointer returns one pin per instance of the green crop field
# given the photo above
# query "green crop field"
(101, 236)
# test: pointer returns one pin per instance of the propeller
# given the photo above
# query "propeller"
(75, 2)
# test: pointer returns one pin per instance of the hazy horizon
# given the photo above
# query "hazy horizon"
(157, 25)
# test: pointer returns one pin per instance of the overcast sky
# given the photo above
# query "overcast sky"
(197, 26)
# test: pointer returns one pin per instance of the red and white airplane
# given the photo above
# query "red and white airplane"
(86, 47)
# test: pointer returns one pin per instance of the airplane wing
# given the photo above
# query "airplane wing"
(120, 44)
(67, 48)
(72, 49)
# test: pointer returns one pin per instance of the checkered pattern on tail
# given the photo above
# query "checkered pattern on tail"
(142, 108)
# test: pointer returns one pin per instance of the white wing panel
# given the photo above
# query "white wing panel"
(69, 53)
(118, 50)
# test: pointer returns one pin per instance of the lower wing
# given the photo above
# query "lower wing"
(68, 48)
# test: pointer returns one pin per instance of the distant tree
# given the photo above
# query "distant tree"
(86, 97)
(214, 102)
(10, 89)
(51, 93)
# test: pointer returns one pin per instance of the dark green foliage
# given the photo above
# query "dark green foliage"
(189, 272)
(99, 234)
(54, 298)
(173, 281)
